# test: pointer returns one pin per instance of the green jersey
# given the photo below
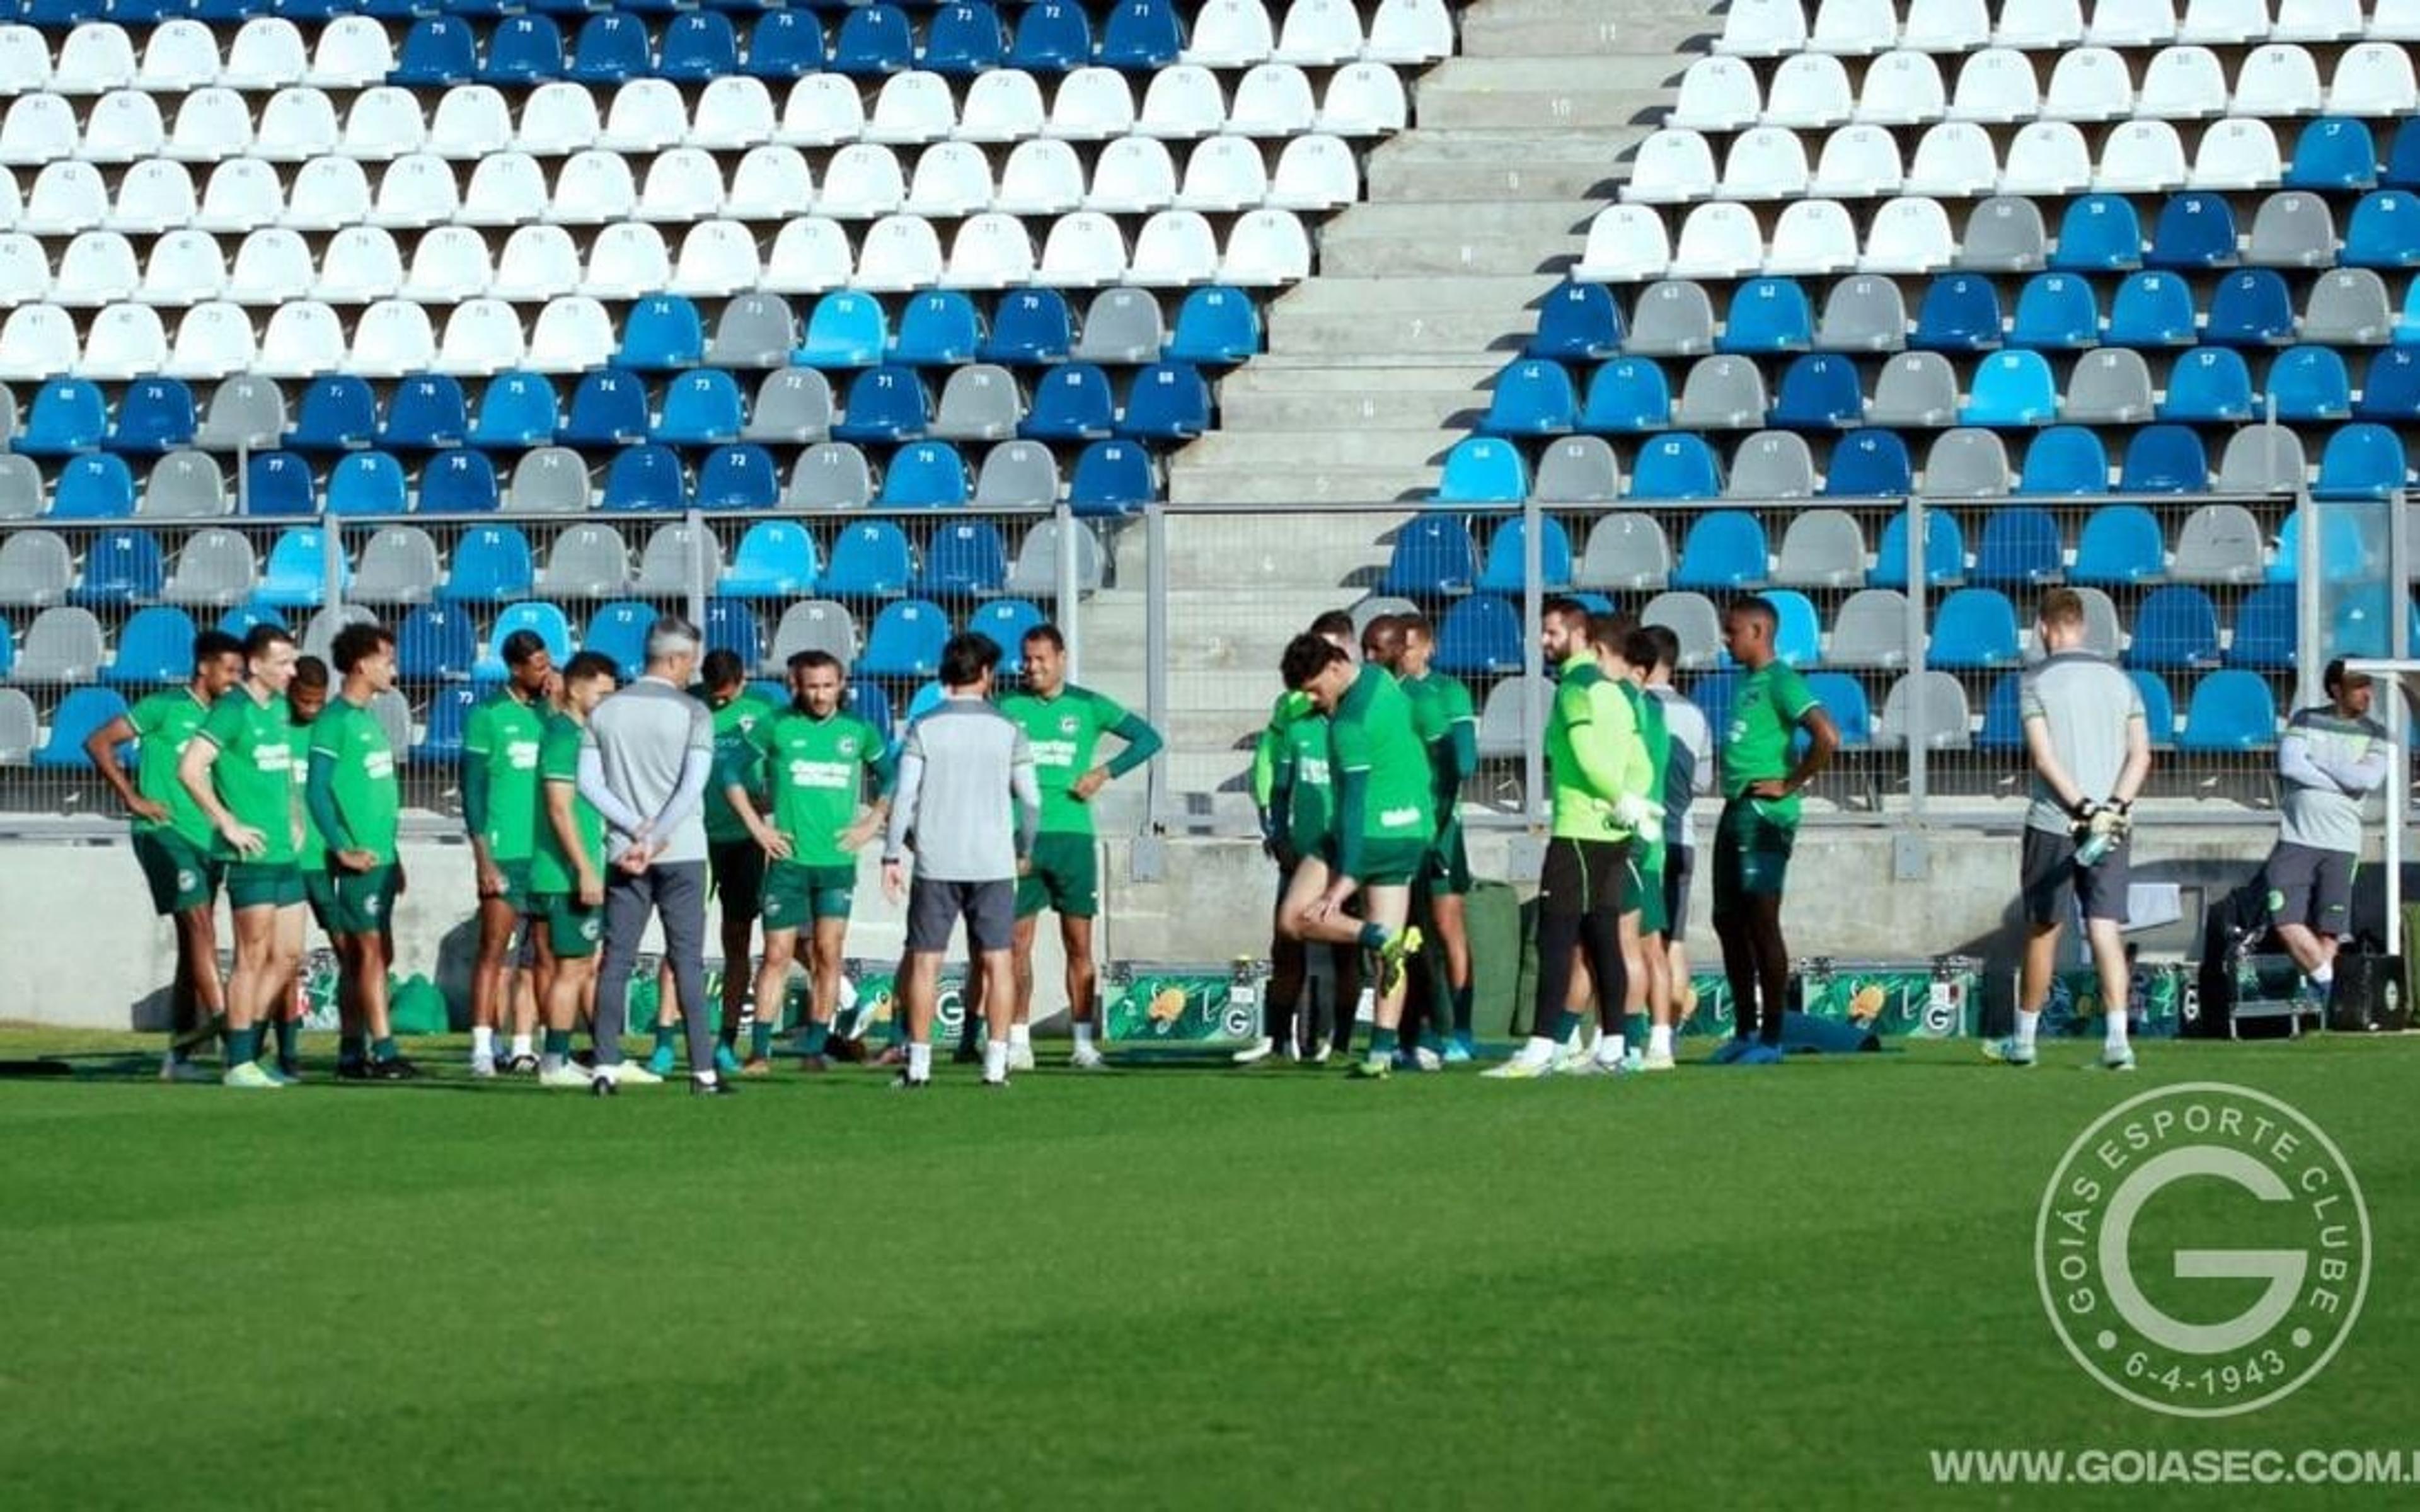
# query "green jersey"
(1301, 761)
(1442, 714)
(1063, 731)
(732, 722)
(165, 722)
(816, 769)
(1594, 753)
(1270, 746)
(558, 765)
(313, 855)
(362, 778)
(254, 775)
(505, 733)
(1371, 737)
(1756, 744)
(1648, 712)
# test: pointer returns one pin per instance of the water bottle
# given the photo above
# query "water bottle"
(2097, 845)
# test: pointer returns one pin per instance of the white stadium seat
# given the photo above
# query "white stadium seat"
(1671, 167)
(1909, 234)
(2047, 158)
(383, 125)
(38, 128)
(157, 194)
(297, 125)
(1133, 175)
(37, 341)
(952, 179)
(2182, 84)
(2316, 20)
(25, 60)
(1274, 99)
(2394, 21)
(94, 58)
(482, 337)
(822, 110)
(505, 188)
(718, 258)
(572, 334)
(1414, 32)
(1042, 176)
(900, 253)
(1902, 89)
(2089, 83)
(303, 338)
(266, 53)
(395, 337)
(125, 124)
(416, 191)
(1718, 240)
(1996, 85)
(771, 183)
(1174, 249)
(1809, 91)
(991, 251)
(213, 340)
(1315, 172)
(1626, 243)
(353, 51)
(1766, 163)
(1858, 163)
(125, 341)
(213, 124)
(2040, 25)
(1001, 105)
(1954, 161)
(98, 268)
(1228, 173)
(593, 188)
(1319, 33)
(179, 54)
(1763, 28)
(863, 180)
(2227, 23)
(1717, 94)
(2277, 79)
(1230, 34)
(469, 122)
(1266, 248)
(1094, 105)
(66, 199)
(2141, 157)
(628, 259)
(271, 265)
(912, 109)
(539, 262)
(809, 256)
(1085, 250)
(24, 269)
(734, 113)
(685, 184)
(185, 268)
(1945, 25)
(2373, 79)
(1855, 28)
(1363, 99)
(2237, 154)
(363, 265)
(557, 120)
(646, 115)
(449, 265)
(1183, 102)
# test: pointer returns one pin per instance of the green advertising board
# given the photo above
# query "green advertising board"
(1167, 1004)
(2156, 1008)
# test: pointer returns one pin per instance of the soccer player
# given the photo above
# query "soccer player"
(1063, 725)
(1597, 767)
(1442, 712)
(1622, 657)
(969, 795)
(353, 799)
(568, 868)
(814, 761)
(239, 769)
(2090, 750)
(1688, 772)
(1383, 827)
(172, 838)
(734, 863)
(2333, 757)
(1759, 827)
(500, 742)
(306, 699)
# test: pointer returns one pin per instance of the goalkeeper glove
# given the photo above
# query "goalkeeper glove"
(1633, 812)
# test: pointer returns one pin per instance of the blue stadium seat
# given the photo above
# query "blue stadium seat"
(459, 482)
(426, 413)
(785, 45)
(2231, 711)
(2361, 461)
(1945, 551)
(1217, 324)
(739, 477)
(2251, 308)
(2382, 232)
(1052, 37)
(1006, 619)
(645, 478)
(702, 408)
(1508, 546)
(1960, 312)
(2390, 390)
(155, 646)
(2056, 312)
(518, 410)
(296, 574)
(1167, 402)
(240, 621)
(1797, 631)
(1627, 394)
(873, 41)
(2121, 545)
(545, 621)
(2344, 555)
(698, 47)
(1768, 315)
(1676, 467)
(2166, 458)
(1818, 390)
(438, 52)
(927, 475)
(869, 702)
(2159, 707)
(2175, 626)
(98, 486)
(2020, 545)
(448, 713)
(1974, 627)
(732, 626)
(120, 567)
(2335, 152)
(2401, 167)
(1576, 323)
(68, 415)
(608, 408)
(1072, 403)
(82, 711)
(279, 483)
(2192, 231)
(1030, 327)
(2265, 629)
(2003, 714)
(2100, 232)
(940, 327)
(1432, 555)
(1844, 698)
(619, 630)
(2407, 319)
(436, 642)
(2362, 623)
(1481, 635)
(871, 558)
(1869, 463)
(844, 329)
(2011, 389)
(964, 557)
(154, 415)
(2152, 309)
(962, 41)
(612, 49)
(1725, 550)
(1141, 35)
(776, 559)
(523, 50)
(491, 565)
(2064, 459)
(1531, 399)
(886, 404)
(1111, 478)
(663, 333)
(1483, 469)
(905, 640)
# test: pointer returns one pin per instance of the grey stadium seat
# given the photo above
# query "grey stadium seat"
(217, 568)
(8, 414)
(812, 625)
(1625, 552)
(1915, 389)
(1722, 393)
(793, 404)
(979, 403)
(184, 484)
(586, 561)
(246, 413)
(1673, 317)
(1017, 476)
(549, 480)
(393, 716)
(1967, 463)
(1122, 326)
(319, 636)
(62, 645)
(1692, 617)
(2101, 634)
(21, 487)
(1864, 314)
(1822, 549)
(2348, 307)
(2261, 459)
(20, 729)
(399, 566)
(1577, 469)
(2220, 544)
(664, 566)
(755, 331)
(2111, 386)
(2004, 235)
(1375, 605)
(36, 568)
(2293, 229)
(1931, 703)
(1870, 630)
(1513, 717)
(832, 475)
(1035, 574)
(1771, 464)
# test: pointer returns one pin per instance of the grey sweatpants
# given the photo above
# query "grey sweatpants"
(676, 891)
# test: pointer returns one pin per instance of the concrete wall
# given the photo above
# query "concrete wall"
(78, 943)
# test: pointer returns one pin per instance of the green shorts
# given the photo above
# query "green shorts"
(517, 886)
(1642, 893)
(1448, 872)
(181, 875)
(361, 903)
(794, 896)
(572, 933)
(1392, 863)
(1064, 877)
(320, 892)
(1751, 852)
(264, 885)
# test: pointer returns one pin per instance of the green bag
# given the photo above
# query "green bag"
(416, 1007)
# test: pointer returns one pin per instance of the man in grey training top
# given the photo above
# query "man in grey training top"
(2333, 757)
(968, 805)
(644, 761)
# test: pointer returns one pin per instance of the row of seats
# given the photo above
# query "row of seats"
(1910, 234)
(1855, 28)
(733, 113)
(1963, 311)
(1811, 92)
(1874, 463)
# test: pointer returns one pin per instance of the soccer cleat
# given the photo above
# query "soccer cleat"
(1086, 1058)
(565, 1078)
(1457, 1052)
(1729, 1051)
(629, 1073)
(968, 1053)
(352, 1070)
(1523, 1068)
(175, 1070)
(1372, 1069)
(905, 1083)
(889, 1054)
(394, 1068)
(1020, 1056)
(814, 1065)
(280, 1072)
(659, 1061)
(482, 1068)
(2008, 1052)
(726, 1061)
(758, 1066)
(196, 1038)
(1319, 1056)
(1394, 958)
(2114, 1057)
(1258, 1050)
(1657, 1060)
(1760, 1054)
(998, 1083)
(250, 1077)
(524, 1065)
(720, 1086)
(1424, 1058)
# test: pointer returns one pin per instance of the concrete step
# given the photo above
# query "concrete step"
(1335, 398)
(1294, 477)
(1350, 448)
(1456, 239)
(1385, 296)
(1507, 164)
(1586, 28)
(1266, 568)
(1548, 92)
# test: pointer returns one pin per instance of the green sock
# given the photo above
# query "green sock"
(667, 1036)
(819, 1036)
(1373, 936)
(1382, 1045)
(383, 1049)
(289, 1033)
(353, 1049)
(558, 1043)
(243, 1046)
(1634, 1031)
(760, 1040)
(1561, 1030)
(1461, 1010)
(729, 1034)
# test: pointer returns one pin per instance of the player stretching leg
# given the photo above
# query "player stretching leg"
(1289, 788)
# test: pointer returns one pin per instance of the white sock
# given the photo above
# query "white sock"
(2325, 976)
(2026, 1025)
(703, 1079)
(1020, 1036)
(1609, 1048)
(919, 1062)
(482, 1042)
(2114, 1038)
(995, 1060)
(1084, 1036)
(524, 1044)
(1659, 1040)
(1539, 1048)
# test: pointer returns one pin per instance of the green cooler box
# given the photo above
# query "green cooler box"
(1158, 1004)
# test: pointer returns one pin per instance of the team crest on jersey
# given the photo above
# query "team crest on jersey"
(1066, 724)
(187, 882)
(590, 929)
(848, 745)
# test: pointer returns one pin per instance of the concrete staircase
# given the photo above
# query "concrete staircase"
(1380, 362)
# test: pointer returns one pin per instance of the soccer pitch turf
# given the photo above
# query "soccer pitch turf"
(1172, 1285)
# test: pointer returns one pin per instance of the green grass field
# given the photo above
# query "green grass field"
(1171, 1287)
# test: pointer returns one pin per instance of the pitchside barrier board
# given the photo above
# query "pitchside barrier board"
(1169, 1005)
(414, 1004)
